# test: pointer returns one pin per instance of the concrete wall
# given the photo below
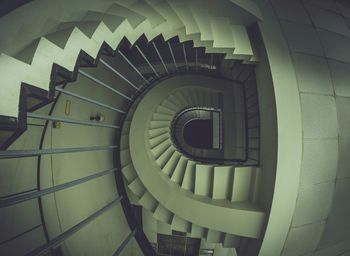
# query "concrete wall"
(318, 37)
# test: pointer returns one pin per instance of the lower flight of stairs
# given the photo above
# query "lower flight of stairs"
(224, 184)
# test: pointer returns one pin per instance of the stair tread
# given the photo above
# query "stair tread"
(201, 18)
(161, 148)
(152, 133)
(137, 187)
(163, 214)
(129, 173)
(111, 21)
(164, 158)
(189, 176)
(133, 17)
(242, 183)
(148, 201)
(242, 42)
(158, 139)
(170, 166)
(179, 171)
(145, 10)
(223, 182)
(183, 12)
(180, 224)
(164, 110)
(204, 180)
(220, 26)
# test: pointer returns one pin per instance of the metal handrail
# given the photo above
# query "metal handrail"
(71, 121)
(103, 84)
(12, 200)
(89, 100)
(36, 152)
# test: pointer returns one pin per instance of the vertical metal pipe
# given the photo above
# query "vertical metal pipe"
(59, 89)
(103, 84)
(118, 74)
(172, 55)
(160, 57)
(132, 65)
(145, 58)
(185, 55)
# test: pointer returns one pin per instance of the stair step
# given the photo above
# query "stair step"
(184, 13)
(204, 180)
(242, 183)
(129, 173)
(161, 148)
(214, 236)
(165, 157)
(148, 202)
(179, 171)
(164, 228)
(173, 99)
(186, 96)
(159, 124)
(159, 139)
(111, 21)
(163, 214)
(137, 188)
(172, 19)
(223, 182)
(170, 166)
(179, 98)
(88, 28)
(219, 27)
(201, 18)
(146, 10)
(188, 181)
(125, 157)
(180, 224)
(168, 104)
(198, 232)
(162, 117)
(255, 186)
(149, 226)
(134, 18)
(164, 110)
(157, 132)
(243, 49)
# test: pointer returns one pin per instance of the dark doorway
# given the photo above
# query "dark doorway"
(199, 133)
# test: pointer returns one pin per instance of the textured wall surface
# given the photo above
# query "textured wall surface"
(318, 36)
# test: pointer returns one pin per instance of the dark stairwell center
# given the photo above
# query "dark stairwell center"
(199, 133)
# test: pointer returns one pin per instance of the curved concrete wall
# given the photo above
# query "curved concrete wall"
(318, 37)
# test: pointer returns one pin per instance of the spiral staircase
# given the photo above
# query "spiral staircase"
(95, 100)
(115, 80)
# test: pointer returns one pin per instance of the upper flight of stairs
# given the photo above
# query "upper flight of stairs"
(32, 65)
